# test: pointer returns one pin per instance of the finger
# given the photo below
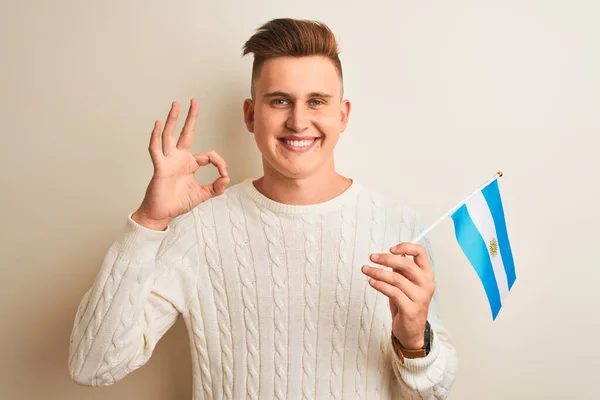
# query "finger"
(168, 136)
(393, 293)
(213, 158)
(218, 186)
(418, 252)
(394, 279)
(399, 264)
(154, 147)
(187, 134)
(202, 160)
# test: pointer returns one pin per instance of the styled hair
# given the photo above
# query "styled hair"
(287, 37)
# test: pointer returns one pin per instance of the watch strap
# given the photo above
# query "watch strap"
(414, 353)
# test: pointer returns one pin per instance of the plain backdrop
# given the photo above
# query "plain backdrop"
(444, 94)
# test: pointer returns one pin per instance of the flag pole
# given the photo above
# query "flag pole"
(456, 207)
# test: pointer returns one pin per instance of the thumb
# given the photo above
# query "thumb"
(218, 186)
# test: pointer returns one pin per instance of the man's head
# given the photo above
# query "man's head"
(296, 111)
(288, 37)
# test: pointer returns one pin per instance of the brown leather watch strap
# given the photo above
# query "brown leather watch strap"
(406, 353)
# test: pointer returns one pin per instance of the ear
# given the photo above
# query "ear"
(345, 113)
(249, 115)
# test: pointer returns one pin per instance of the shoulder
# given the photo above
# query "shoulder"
(187, 229)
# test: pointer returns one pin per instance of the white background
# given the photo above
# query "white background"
(444, 94)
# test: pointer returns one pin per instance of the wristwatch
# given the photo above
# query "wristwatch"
(418, 353)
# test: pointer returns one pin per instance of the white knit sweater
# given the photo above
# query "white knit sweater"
(273, 297)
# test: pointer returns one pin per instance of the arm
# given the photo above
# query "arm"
(410, 288)
(136, 297)
(433, 376)
(147, 275)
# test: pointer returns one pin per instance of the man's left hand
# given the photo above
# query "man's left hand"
(409, 287)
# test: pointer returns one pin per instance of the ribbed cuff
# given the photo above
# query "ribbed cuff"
(417, 366)
(138, 243)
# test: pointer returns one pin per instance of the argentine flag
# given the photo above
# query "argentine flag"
(480, 229)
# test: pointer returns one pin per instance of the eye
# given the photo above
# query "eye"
(280, 102)
(316, 102)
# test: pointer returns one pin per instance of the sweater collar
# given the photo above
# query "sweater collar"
(349, 195)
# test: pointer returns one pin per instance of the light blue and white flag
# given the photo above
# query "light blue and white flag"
(480, 229)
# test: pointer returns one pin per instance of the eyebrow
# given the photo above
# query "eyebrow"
(283, 94)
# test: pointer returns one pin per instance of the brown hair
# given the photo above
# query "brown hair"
(286, 37)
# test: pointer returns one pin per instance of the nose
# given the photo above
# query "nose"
(298, 119)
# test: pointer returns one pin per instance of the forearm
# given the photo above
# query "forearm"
(118, 310)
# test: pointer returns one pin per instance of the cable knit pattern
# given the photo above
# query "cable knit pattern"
(110, 286)
(199, 340)
(248, 280)
(272, 297)
(213, 260)
(311, 311)
(386, 347)
(370, 298)
(125, 321)
(340, 310)
(280, 295)
(81, 310)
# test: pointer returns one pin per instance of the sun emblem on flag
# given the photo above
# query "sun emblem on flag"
(493, 247)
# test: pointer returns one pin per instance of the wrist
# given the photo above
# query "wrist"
(413, 339)
(416, 348)
(157, 225)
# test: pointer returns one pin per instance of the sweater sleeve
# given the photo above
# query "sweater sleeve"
(430, 377)
(136, 297)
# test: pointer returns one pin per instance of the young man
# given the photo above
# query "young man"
(271, 275)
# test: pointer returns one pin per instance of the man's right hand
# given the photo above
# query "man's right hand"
(173, 189)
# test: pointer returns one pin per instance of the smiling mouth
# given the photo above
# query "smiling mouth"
(299, 144)
(302, 143)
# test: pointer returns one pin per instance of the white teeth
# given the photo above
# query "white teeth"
(299, 143)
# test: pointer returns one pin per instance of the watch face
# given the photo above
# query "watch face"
(428, 337)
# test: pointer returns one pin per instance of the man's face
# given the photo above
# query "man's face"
(297, 115)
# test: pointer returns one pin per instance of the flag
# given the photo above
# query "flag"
(480, 228)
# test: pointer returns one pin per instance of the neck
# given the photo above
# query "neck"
(314, 189)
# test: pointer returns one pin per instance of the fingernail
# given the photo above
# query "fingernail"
(365, 269)
(374, 256)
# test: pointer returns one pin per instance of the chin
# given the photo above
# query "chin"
(300, 172)
(293, 165)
